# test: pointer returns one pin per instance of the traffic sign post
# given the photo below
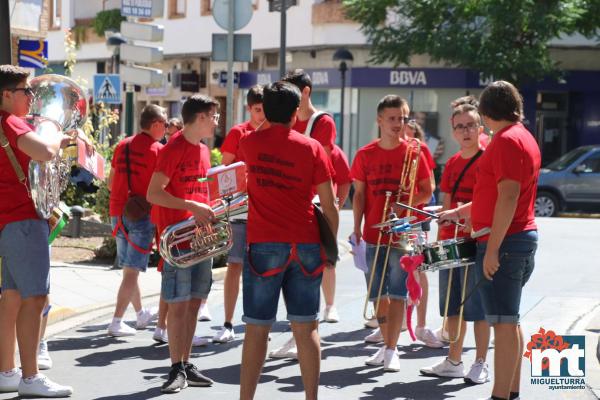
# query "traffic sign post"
(242, 47)
(107, 88)
(282, 6)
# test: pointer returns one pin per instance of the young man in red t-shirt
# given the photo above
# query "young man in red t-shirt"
(377, 168)
(23, 242)
(178, 191)
(131, 168)
(466, 127)
(230, 150)
(503, 200)
(284, 252)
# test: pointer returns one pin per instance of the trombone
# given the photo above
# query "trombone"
(407, 183)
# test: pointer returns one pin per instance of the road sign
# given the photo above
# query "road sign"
(145, 32)
(107, 88)
(242, 13)
(141, 54)
(33, 53)
(142, 75)
(142, 8)
(242, 47)
(223, 78)
(275, 5)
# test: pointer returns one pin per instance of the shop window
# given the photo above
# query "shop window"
(205, 8)
(177, 8)
(55, 12)
(272, 59)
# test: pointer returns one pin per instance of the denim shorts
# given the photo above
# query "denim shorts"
(394, 282)
(141, 233)
(236, 254)
(183, 284)
(271, 268)
(502, 295)
(26, 257)
(473, 309)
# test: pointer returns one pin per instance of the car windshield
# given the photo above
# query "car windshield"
(567, 159)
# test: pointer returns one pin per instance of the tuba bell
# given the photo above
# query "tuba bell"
(59, 105)
(187, 243)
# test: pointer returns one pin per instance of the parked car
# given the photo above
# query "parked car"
(572, 181)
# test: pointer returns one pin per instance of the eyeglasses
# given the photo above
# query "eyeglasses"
(215, 117)
(471, 127)
(405, 120)
(26, 90)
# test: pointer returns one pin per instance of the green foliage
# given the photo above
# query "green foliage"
(215, 157)
(107, 20)
(506, 39)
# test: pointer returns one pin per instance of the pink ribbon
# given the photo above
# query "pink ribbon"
(415, 291)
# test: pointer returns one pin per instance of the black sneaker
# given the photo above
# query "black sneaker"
(175, 382)
(195, 377)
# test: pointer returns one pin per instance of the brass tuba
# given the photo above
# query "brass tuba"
(59, 105)
(187, 243)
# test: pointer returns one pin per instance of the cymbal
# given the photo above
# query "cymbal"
(394, 222)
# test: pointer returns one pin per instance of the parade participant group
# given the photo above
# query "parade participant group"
(297, 179)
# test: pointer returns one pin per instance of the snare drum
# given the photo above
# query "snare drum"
(450, 253)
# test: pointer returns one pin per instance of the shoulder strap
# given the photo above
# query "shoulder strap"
(128, 166)
(462, 173)
(11, 156)
(312, 121)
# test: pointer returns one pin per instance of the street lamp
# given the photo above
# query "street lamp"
(343, 55)
(113, 41)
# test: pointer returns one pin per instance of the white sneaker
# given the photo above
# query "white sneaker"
(9, 381)
(445, 369)
(43, 356)
(160, 335)
(478, 373)
(42, 386)
(331, 314)
(145, 317)
(198, 341)
(442, 336)
(427, 336)
(288, 350)
(374, 337)
(372, 323)
(224, 335)
(204, 314)
(120, 328)
(391, 360)
(376, 359)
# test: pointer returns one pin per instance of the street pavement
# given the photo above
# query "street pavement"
(561, 296)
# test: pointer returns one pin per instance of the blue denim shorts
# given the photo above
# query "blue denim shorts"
(26, 257)
(271, 268)
(141, 233)
(394, 282)
(236, 254)
(502, 295)
(183, 284)
(473, 309)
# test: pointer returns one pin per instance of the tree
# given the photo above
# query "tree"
(501, 38)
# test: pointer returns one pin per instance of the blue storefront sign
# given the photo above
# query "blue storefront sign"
(33, 53)
(321, 78)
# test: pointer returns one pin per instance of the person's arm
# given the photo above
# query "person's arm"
(446, 202)
(506, 204)
(227, 158)
(424, 192)
(358, 207)
(342, 193)
(111, 178)
(42, 148)
(327, 201)
(158, 195)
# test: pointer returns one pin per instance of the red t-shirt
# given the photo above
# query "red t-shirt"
(380, 170)
(283, 167)
(484, 140)
(143, 151)
(512, 154)
(341, 166)
(323, 130)
(183, 163)
(464, 193)
(15, 203)
(231, 144)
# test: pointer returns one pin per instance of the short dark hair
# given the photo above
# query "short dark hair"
(463, 105)
(10, 77)
(176, 122)
(501, 101)
(470, 99)
(299, 78)
(391, 101)
(281, 100)
(255, 95)
(195, 104)
(151, 113)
